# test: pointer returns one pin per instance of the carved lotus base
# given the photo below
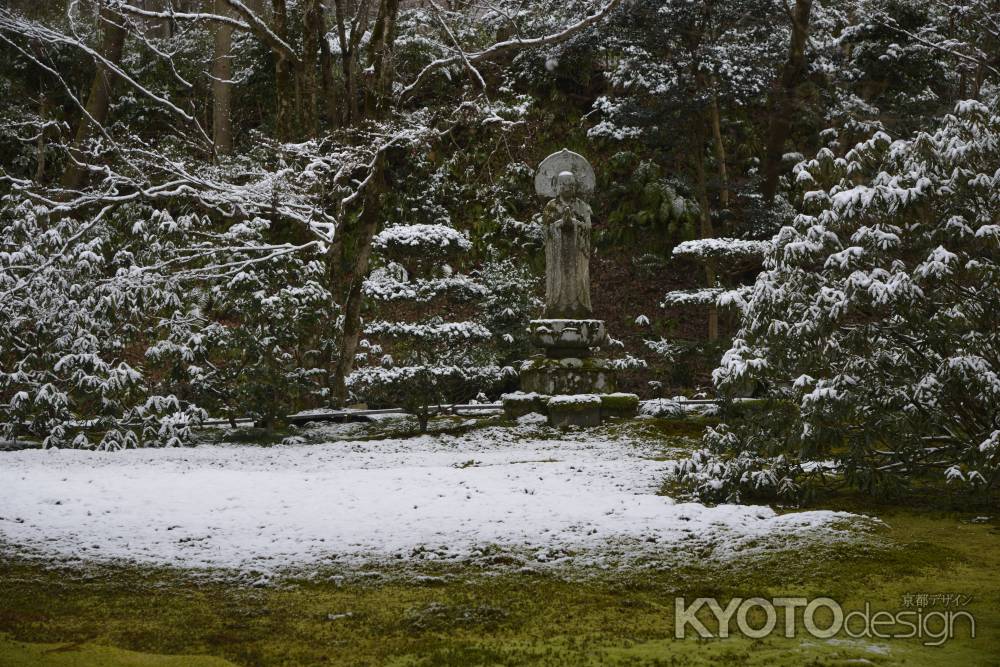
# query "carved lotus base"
(561, 338)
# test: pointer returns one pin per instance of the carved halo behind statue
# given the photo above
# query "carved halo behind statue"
(558, 162)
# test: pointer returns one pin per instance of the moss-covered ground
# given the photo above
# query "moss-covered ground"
(91, 616)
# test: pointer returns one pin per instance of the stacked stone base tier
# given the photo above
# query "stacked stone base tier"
(568, 375)
(567, 383)
(571, 409)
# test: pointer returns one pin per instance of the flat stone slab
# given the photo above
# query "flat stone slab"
(518, 404)
(574, 410)
(619, 404)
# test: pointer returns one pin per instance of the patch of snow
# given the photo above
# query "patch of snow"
(704, 296)
(289, 507)
(675, 407)
(880, 649)
(722, 247)
(451, 331)
(523, 395)
(421, 235)
(532, 419)
(575, 399)
(389, 288)
(660, 407)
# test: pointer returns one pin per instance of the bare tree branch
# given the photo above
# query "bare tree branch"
(11, 23)
(505, 47)
(264, 32)
(891, 24)
(184, 16)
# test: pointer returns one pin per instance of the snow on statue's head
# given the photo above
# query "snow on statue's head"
(565, 185)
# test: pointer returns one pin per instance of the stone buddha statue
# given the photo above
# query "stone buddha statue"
(568, 381)
(566, 219)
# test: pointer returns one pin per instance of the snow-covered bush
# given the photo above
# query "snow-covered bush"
(509, 303)
(122, 329)
(76, 312)
(878, 314)
(426, 360)
(258, 340)
(723, 259)
(739, 477)
(421, 245)
(726, 257)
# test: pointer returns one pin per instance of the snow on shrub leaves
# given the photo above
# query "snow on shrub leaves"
(71, 312)
(878, 318)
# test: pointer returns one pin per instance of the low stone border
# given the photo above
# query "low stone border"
(571, 409)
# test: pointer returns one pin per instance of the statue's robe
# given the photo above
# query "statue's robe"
(567, 259)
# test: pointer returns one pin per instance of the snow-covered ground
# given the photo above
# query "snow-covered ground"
(585, 499)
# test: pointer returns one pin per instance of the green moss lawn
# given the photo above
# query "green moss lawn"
(474, 615)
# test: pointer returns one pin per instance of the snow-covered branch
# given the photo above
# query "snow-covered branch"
(506, 47)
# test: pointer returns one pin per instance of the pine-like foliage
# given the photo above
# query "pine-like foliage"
(76, 307)
(727, 257)
(431, 360)
(878, 317)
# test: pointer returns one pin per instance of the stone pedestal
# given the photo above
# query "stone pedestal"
(568, 383)
(561, 338)
(567, 365)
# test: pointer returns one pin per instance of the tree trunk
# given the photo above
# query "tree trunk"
(349, 258)
(349, 45)
(380, 56)
(350, 88)
(40, 147)
(980, 78)
(99, 99)
(312, 31)
(706, 230)
(222, 88)
(783, 98)
(720, 151)
(157, 27)
(284, 78)
(326, 75)
(350, 103)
